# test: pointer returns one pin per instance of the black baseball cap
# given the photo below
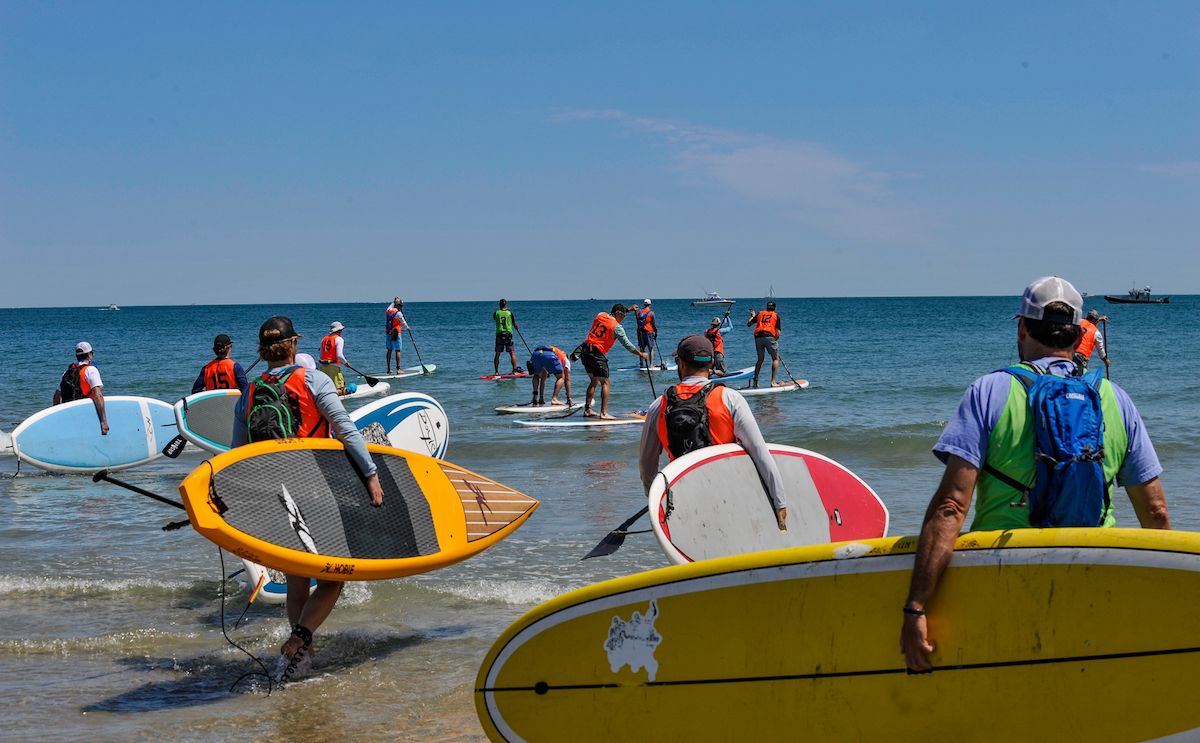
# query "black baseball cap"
(695, 349)
(618, 307)
(770, 305)
(275, 329)
(222, 341)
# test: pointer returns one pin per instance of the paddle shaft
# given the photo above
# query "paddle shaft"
(523, 342)
(661, 363)
(103, 475)
(254, 364)
(371, 381)
(1104, 335)
(414, 342)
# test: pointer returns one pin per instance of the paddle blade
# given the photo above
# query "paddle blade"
(615, 538)
(174, 447)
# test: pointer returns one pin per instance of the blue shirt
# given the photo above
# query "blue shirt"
(967, 433)
(330, 405)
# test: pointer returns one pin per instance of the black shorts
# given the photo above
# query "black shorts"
(594, 362)
(504, 342)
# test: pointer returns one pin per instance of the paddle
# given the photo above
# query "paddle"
(254, 364)
(789, 371)
(1104, 334)
(615, 538)
(371, 381)
(174, 447)
(414, 342)
(527, 349)
(661, 364)
(103, 475)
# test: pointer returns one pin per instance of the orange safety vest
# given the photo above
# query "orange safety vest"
(720, 422)
(329, 349)
(393, 320)
(85, 389)
(312, 424)
(562, 357)
(646, 318)
(218, 375)
(601, 334)
(768, 323)
(715, 337)
(1088, 341)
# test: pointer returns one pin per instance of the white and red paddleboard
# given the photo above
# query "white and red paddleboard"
(712, 503)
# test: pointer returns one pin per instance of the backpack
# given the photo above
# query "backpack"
(687, 421)
(70, 388)
(1069, 488)
(273, 413)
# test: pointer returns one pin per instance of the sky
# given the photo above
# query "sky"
(180, 153)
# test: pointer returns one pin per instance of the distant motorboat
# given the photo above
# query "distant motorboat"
(110, 307)
(711, 298)
(1137, 296)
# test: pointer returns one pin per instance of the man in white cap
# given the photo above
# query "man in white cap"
(647, 331)
(988, 449)
(395, 323)
(82, 380)
(333, 356)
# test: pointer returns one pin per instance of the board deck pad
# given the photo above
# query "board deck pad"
(206, 418)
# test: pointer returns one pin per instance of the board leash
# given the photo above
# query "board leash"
(264, 672)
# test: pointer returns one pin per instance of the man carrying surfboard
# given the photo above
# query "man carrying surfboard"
(697, 413)
(394, 318)
(82, 380)
(333, 348)
(605, 332)
(222, 373)
(767, 326)
(271, 398)
(1004, 445)
(506, 323)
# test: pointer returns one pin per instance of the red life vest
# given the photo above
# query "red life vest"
(329, 349)
(714, 336)
(312, 424)
(646, 320)
(218, 375)
(720, 422)
(601, 334)
(1088, 341)
(768, 323)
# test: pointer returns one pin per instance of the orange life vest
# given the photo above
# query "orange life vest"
(67, 390)
(218, 375)
(714, 336)
(562, 357)
(646, 318)
(393, 320)
(720, 422)
(1088, 341)
(601, 335)
(768, 323)
(312, 424)
(329, 349)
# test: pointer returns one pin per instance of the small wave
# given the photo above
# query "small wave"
(513, 592)
(53, 586)
(132, 641)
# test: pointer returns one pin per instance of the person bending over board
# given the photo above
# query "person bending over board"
(255, 419)
(333, 355)
(766, 339)
(606, 330)
(547, 360)
(989, 447)
(82, 380)
(394, 317)
(222, 373)
(697, 413)
(506, 323)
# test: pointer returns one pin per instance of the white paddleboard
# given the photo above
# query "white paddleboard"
(365, 390)
(539, 409)
(206, 419)
(274, 583)
(801, 384)
(6, 447)
(736, 375)
(642, 369)
(630, 419)
(410, 421)
(409, 371)
(66, 438)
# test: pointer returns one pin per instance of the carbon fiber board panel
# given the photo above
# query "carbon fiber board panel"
(212, 418)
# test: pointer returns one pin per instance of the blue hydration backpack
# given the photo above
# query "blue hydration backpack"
(1069, 488)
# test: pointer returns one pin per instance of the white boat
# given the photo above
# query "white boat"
(111, 307)
(711, 298)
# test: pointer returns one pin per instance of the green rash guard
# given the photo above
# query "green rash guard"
(1010, 450)
(504, 321)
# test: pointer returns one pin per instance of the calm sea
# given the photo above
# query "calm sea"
(110, 628)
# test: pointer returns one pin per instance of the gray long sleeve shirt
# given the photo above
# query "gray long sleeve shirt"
(330, 406)
(745, 430)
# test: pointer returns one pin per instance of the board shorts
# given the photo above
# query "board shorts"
(395, 344)
(645, 340)
(594, 362)
(769, 343)
(719, 362)
(334, 372)
(544, 360)
(504, 342)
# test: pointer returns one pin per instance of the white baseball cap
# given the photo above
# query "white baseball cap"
(306, 360)
(83, 347)
(1047, 290)
(335, 326)
(646, 302)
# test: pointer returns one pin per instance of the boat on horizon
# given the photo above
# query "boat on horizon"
(711, 298)
(110, 307)
(1137, 296)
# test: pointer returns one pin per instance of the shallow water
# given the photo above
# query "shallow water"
(110, 628)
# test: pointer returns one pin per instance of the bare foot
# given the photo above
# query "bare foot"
(779, 384)
(588, 413)
(555, 402)
(607, 417)
(290, 647)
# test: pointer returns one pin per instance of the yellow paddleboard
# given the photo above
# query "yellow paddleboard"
(1057, 634)
(300, 507)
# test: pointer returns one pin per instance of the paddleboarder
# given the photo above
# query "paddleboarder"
(284, 385)
(222, 373)
(697, 413)
(716, 330)
(506, 323)
(333, 348)
(82, 380)
(767, 326)
(1091, 339)
(606, 331)
(395, 323)
(547, 360)
(989, 447)
(647, 331)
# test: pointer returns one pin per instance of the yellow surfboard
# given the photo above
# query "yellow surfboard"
(299, 506)
(1057, 634)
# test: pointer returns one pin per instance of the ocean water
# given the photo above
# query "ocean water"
(110, 629)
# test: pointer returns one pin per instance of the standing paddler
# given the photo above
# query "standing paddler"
(606, 330)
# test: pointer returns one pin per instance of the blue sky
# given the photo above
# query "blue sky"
(178, 153)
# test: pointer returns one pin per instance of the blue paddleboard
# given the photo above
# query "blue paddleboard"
(66, 438)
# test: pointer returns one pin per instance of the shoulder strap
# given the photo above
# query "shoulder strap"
(1016, 485)
(1025, 372)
